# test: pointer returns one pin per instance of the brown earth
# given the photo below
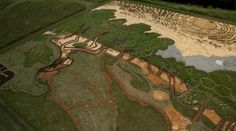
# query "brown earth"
(160, 95)
(205, 24)
(211, 114)
(177, 119)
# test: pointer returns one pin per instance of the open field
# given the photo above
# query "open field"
(185, 73)
(122, 78)
(25, 61)
(24, 17)
(109, 76)
(135, 48)
(90, 99)
(20, 19)
(6, 119)
(37, 111)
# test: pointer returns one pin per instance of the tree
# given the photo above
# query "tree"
(196, 98)
(227, 113)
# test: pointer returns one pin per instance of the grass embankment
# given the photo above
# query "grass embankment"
(21, 18)
(228, 16)
(36, 110)
(4, 4)
(8, 123)
(134, 41)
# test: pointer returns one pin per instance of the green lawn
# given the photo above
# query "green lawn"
(4, 4)
(42, 114)
(133, 40)
(8, 122)
(21, 18)
(25, 61)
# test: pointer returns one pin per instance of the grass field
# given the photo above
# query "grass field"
(80, 77)
(4, 4)
(37, 111)
(83, 84)
(25, 61)
(136, 42)
(8, 123)
(31, 56)
(86, 85)
(143, 45)
(22, 18)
